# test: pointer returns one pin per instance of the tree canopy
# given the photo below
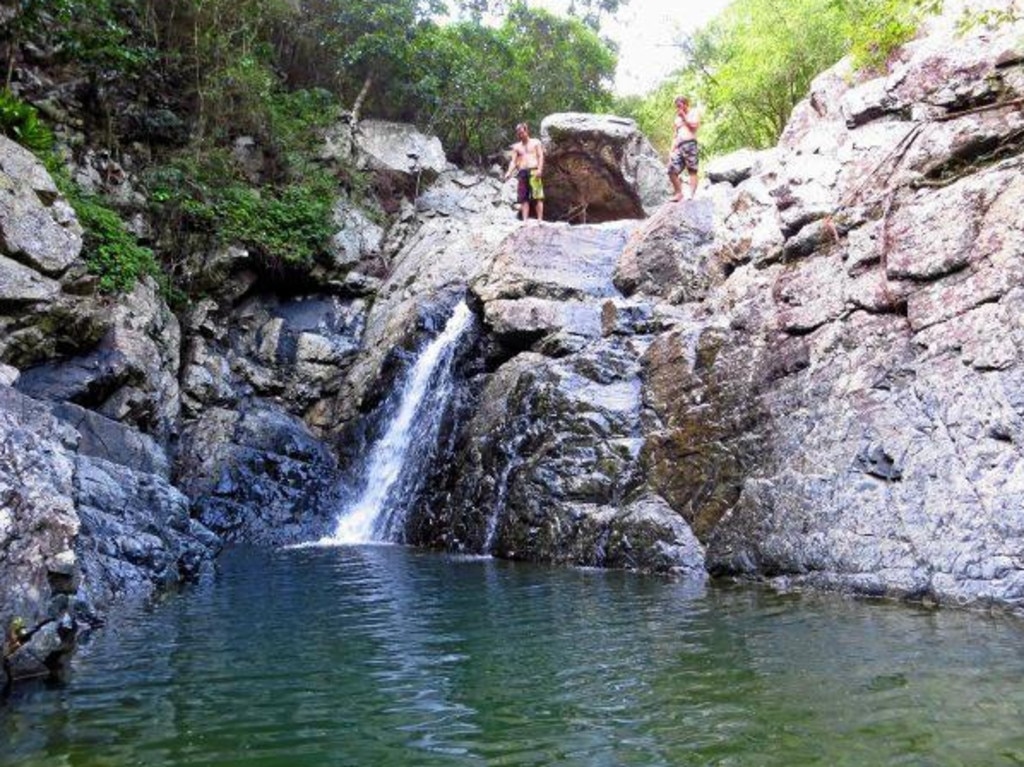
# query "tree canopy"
(750, 66)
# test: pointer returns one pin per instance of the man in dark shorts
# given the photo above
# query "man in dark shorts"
(683, 154)
(528, 164)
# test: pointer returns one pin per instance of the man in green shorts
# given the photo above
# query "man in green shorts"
(528, 164)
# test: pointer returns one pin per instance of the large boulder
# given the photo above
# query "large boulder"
(37, 226)
(257, 475)
(47, 303)
(130, 375)
(88, 520)
(399, 148)
(599, 168)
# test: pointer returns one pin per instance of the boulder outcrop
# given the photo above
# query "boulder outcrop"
(599, 168)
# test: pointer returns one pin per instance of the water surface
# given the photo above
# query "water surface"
(383, 656)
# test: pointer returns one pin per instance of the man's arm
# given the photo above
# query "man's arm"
(511, 165)
(677, 123)
(540, 157)
(692, 120)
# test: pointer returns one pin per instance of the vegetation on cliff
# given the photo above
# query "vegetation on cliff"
(750, 66)
(176, 83)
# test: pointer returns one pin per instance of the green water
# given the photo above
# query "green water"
(384, 656)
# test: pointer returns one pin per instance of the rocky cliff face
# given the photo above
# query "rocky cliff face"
(89, 515)
(811, 374)
(875, 322)
(815, 371)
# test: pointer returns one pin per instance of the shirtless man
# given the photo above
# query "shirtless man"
(684, 148)
(528, 164)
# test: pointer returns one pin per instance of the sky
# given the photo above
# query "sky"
(646, 31)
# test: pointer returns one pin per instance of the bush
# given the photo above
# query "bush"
(290, 225)
(20, 121)
(879, 27)
(111, 250)
(204, 202)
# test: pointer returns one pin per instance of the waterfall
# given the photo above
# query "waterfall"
(378, 514)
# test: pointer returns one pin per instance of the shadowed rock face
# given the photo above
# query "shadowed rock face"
(88, 518)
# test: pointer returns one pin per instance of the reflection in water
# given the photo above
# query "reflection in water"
(386, 656)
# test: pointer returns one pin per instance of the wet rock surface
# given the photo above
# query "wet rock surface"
(89, 519)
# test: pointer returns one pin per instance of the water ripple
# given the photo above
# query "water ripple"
(386, 656)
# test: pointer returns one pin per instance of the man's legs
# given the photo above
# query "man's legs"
(540, 210)
(693, 184)
(677, 185)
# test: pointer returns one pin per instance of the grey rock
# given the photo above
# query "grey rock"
(257, 476)
(733, 168)
(668, 252)
(21, 285)
(137, 538)
(399, 148)
(357, 236)
(36, 228)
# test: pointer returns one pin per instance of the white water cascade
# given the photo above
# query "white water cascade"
(372, 516)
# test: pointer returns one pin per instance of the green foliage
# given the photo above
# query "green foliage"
(566, 65)
(95, 34)
(204, 201)
(473, 82)
(349, 44)
(879, 27)
(989, 18)
(95, 31)
(112, 252)
(749, 67)
(289, 225)
(463, 76)
(20, 122)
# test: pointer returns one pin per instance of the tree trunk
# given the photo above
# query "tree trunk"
(363, 93)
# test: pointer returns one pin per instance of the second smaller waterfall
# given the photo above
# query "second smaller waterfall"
(375, 515)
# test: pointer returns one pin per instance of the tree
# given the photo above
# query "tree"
(473, 82)
(590, 12)
(363, 41)
(567, 66)
(751, 65)
(465, 75)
